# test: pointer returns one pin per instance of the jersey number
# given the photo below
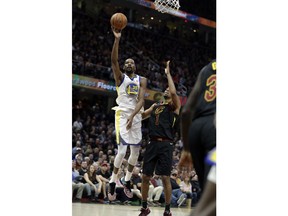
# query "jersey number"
(210, 94)
(214, 65)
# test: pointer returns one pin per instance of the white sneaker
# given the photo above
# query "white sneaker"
(150, 203)
(181, 199)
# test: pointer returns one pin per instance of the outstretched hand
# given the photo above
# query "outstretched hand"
(185, 163)
(116, 32)
(154, 104)
(167, 69)
(167, 63)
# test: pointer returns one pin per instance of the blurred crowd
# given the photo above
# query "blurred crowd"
(93, 133)
(150, 48)
(93, 152)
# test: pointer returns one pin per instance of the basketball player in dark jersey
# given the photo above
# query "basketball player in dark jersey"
(159, 151)
(197, 123)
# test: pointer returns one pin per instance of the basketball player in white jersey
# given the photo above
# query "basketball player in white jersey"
(130, 89)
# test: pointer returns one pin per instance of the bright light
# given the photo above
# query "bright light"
(194, 30)
(152, 18)
(143, 18)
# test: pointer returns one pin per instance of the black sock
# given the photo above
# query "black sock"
(112, 188)
(167, 207)
(127, 184)
(144, 204)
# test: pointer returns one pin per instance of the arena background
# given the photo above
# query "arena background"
(36, 94)
(150, 38)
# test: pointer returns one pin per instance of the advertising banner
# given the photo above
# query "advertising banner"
(106, 86)
(91, 83)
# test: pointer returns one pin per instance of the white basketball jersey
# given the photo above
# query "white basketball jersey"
(128, 92)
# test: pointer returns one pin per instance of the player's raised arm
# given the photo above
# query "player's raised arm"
(146, 114)
(118, 76)
(172, 89)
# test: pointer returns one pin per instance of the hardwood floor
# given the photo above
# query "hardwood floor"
(84, 209)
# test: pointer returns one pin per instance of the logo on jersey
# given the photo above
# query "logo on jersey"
(159, 109)
(132, 89)
(211, 157)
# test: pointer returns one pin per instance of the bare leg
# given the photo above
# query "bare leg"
(167, 193)
(145, 187)
(104, 189)
(167, 189)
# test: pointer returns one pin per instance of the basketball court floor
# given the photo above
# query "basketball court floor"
(86, 209)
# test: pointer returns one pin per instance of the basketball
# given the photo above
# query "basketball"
(118, 21)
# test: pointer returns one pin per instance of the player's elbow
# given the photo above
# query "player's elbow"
(145, 115)
(173, 94)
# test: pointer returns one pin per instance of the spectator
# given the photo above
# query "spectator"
(77, 125)
(88, 150)
(93, 183)
(178, 197)
(76, 185)
(78, 161)
(77, 149)
(155, 191)
(136, 183)
(83, 168)
(186, 187)
(91, 159)
(196, 190)
(104, 174)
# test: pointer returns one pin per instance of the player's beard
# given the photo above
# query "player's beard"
(129, 72)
